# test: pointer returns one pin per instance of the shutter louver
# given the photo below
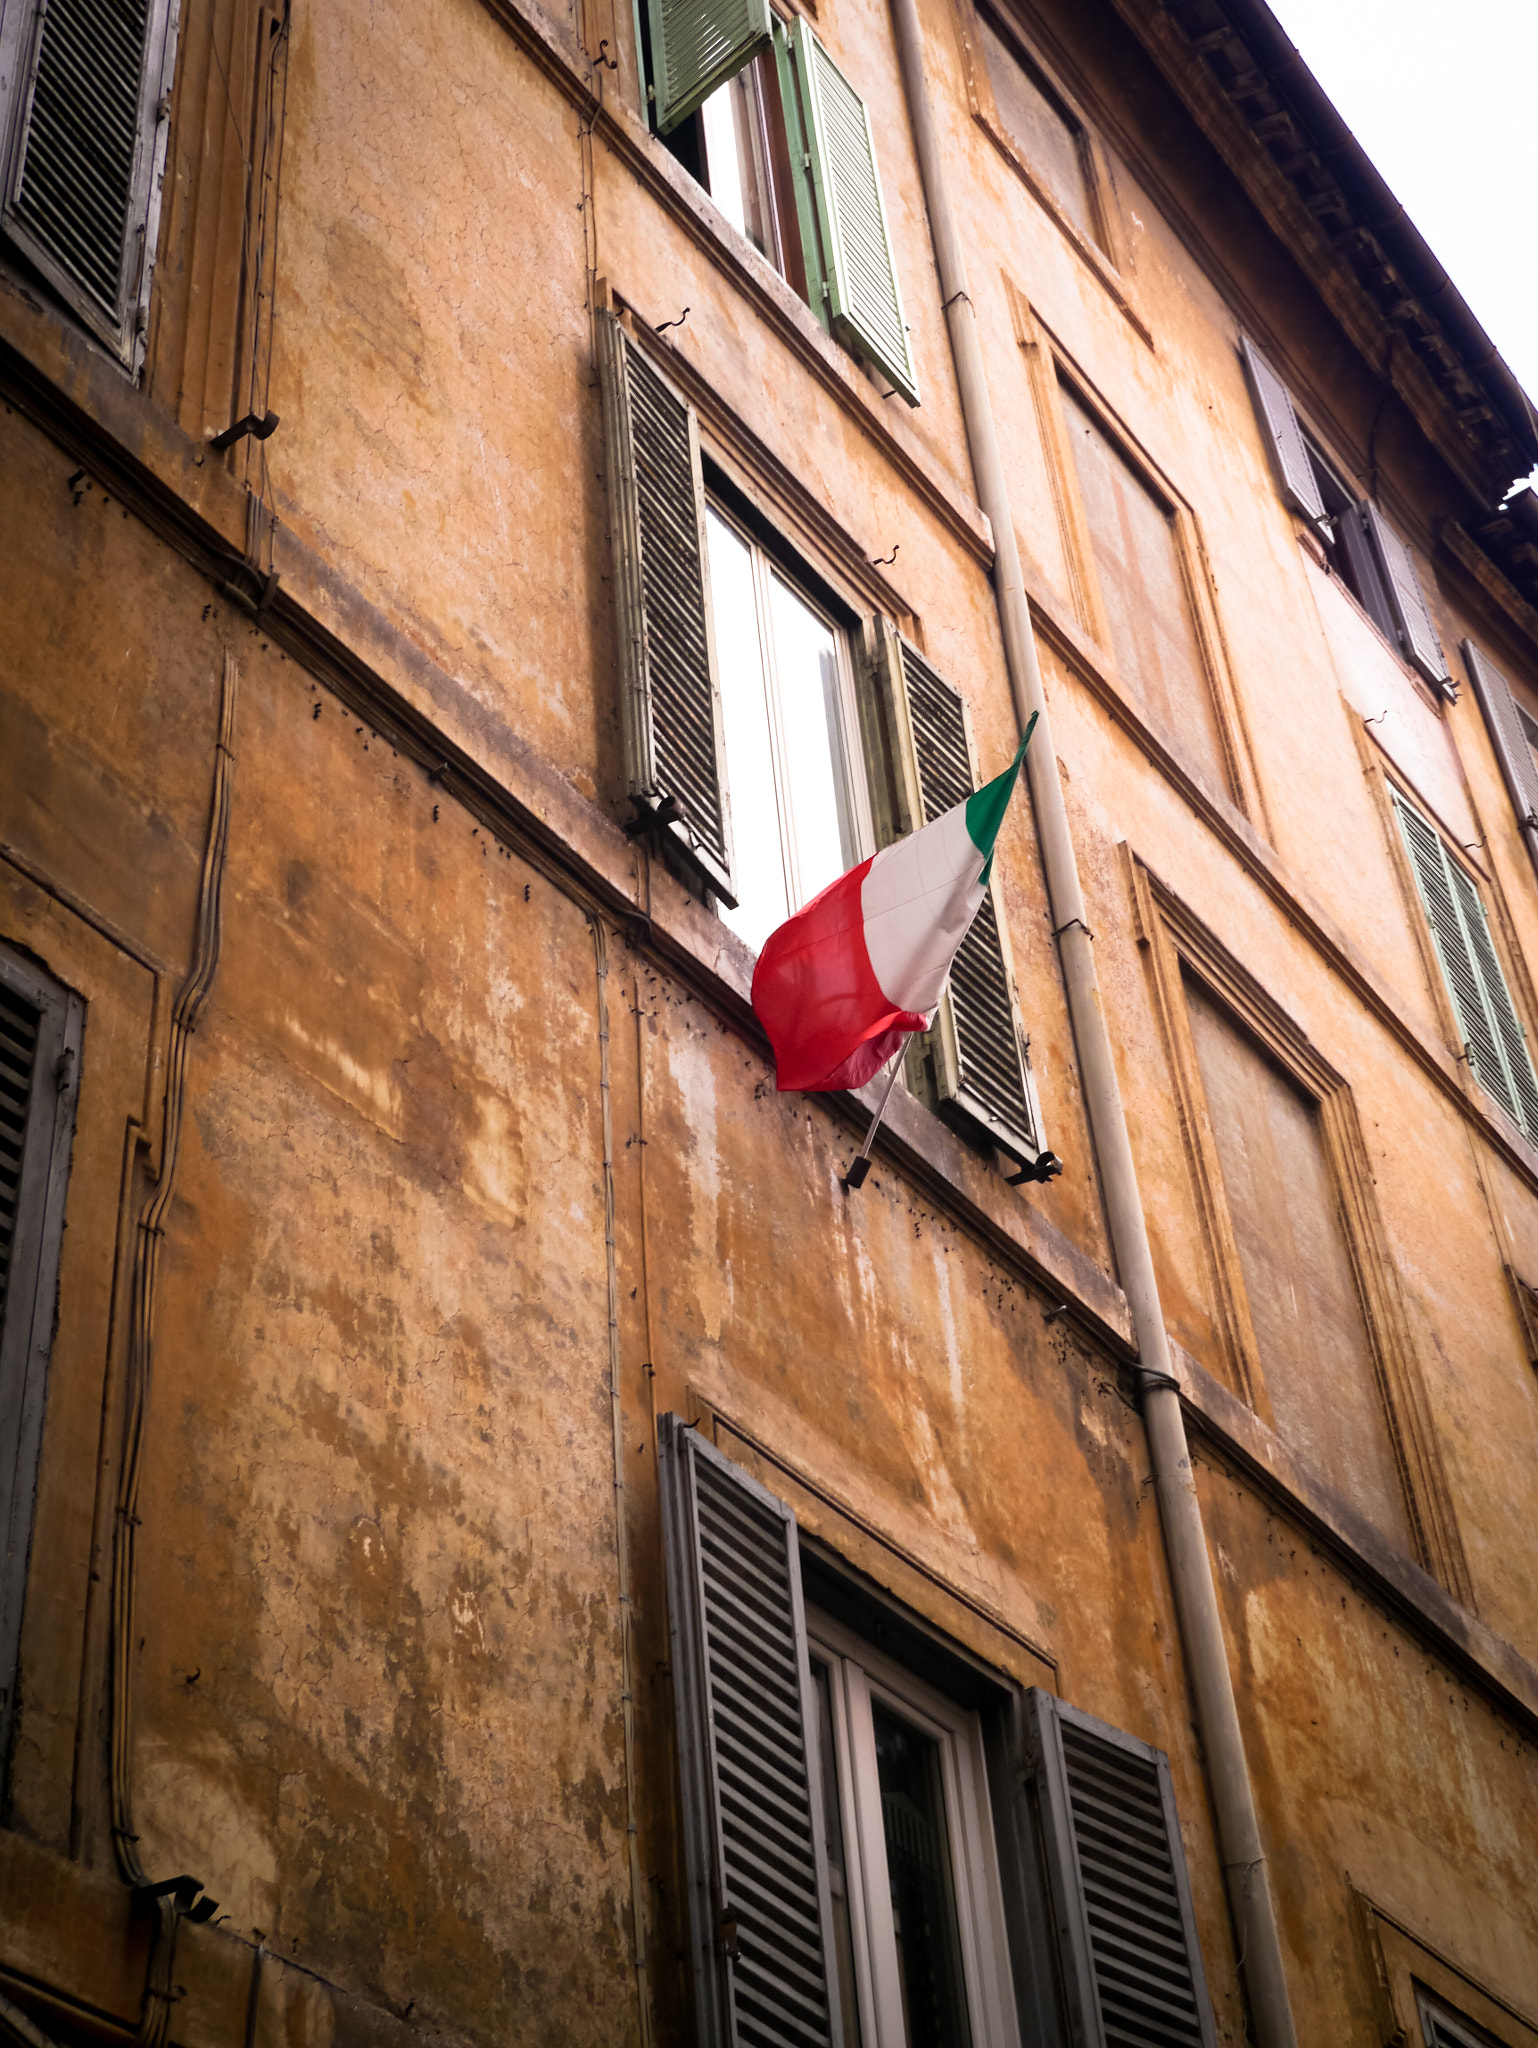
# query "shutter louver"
(1492, 1032)
(1509, 738)
(85, 162)
(864, 303)
(1131, 1963)
(697, 45)
(1412, 626)
(18, 1053)
(1299, 484)
(757, 1862)
(981, 1063)
(671, 696)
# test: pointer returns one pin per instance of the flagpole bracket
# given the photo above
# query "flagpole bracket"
(1044, 1167)
(855, 1177)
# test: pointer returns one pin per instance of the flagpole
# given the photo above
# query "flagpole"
(855, 1177)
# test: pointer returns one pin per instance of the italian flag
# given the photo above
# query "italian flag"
(839, 985)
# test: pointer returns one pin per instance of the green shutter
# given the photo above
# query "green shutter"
(81, 198)
(698, 45)
(978, 1044)
(670, 693)
(1492, 1032)
(844, 231)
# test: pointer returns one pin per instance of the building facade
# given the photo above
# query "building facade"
(503, 1539)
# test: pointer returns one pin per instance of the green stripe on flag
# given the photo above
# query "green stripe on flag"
(985, 810)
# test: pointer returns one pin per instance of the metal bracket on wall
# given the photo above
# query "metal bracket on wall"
(258, 426)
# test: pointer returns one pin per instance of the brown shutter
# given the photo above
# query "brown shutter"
(760, 1910)
(1410, 615)
(1273, 402)
(978, 1045)
(674, 751)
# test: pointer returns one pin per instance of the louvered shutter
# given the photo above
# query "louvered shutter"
(88, 128)
(1116, 1871)
(672, 700)
(39, 1055)
(1492, 1032)
(1273, 401)
(980, 1049)
(1410, 620)
(759, 1905)
(698, 45)
(843, 216)
(1509, 737)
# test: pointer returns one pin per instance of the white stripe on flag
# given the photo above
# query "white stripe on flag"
(918, 901)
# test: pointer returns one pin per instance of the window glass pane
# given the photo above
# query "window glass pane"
(838, 1881)
(923, 1896)
(806, 664)
(1296, 1264)
(1046, 134)
(747, 169)
(760, 864)
(1142, 586)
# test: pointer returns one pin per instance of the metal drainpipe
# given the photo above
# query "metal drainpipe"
(1196, 1605)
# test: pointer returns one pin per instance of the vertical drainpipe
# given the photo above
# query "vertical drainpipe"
(1196, 1604)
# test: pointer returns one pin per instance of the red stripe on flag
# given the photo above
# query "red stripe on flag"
(816, 995)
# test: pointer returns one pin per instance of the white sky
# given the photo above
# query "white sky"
(1444, 99)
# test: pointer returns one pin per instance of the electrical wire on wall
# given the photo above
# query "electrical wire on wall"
(172, 1900)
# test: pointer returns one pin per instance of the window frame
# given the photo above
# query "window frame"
(125, 335)
(1174, 939)
(860, 1673)
(765, 564)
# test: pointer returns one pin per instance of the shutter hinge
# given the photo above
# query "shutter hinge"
(163, 107)
(64, 1071)
(729, 1935)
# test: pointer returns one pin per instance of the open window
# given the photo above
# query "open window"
(758, 112)
(893, 1845)
(1514, 735)
(84, 115)
(1360, 546)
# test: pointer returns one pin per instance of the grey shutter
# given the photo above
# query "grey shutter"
(1492, 1032)
(1273, 401)
(674, 750)
(698, 45)
(1510, 740)
(852, 250)
(980, 1048)
(1116, 1872)
(1410, 615)
(759, 1906)
(1367, 568)
(40, 1028)
(87, 153)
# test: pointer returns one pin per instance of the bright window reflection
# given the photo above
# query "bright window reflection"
(788, 766)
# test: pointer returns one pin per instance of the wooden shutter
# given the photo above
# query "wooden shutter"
(674, 750)
(1410, 616)
(90, 125)
(759, 1906)
(847, 246)
(1492, 1032)
(1273, 401)
(1116, 1872)
(39, 1058)
(979, 1045)
(1510, 740)
(698, 45)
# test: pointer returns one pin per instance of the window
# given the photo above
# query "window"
(747, 753)
(1305, 1309)
(40, 1027)
(1143, 593)
(800, 817)
(1360, 546)
(760, 114)
(1514, 736)
(856, 1843)
(1494, 1041)
(1444, 2028)
(83, 122)
(1047, 135)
